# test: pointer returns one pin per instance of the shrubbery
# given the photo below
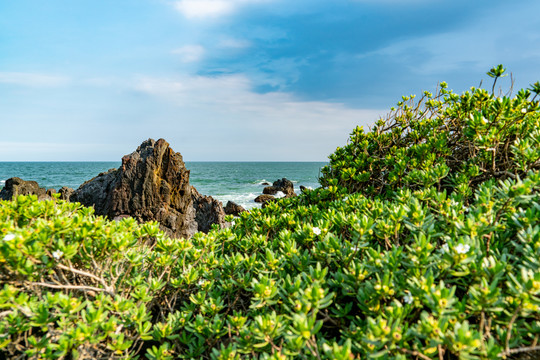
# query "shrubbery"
(431, 257)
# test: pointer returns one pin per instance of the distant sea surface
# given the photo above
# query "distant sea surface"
(240, 182)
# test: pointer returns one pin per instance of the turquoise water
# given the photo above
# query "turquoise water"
(240, 182)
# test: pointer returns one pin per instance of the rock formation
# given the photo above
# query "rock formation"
(285, 186)
(270, 190)
(233, 208)
(264, 198)
(152, 184)
(65, 193)
(16, 186)
(208, 211)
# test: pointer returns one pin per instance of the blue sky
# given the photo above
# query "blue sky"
(238, 80)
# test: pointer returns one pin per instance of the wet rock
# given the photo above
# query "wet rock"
(285, 186)
(264, 198)
(233, 208)
(270, 190)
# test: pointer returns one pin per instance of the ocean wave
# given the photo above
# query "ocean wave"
(279, 194)
(261, 182)
(246, 200)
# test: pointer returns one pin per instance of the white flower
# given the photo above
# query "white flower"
(316, 231)
(9, 237)
(355, 248)
(523, 111)
(408, 299)
(201, 282)
(233, 223)
(444, 248)
(462, 249)
(57, 254)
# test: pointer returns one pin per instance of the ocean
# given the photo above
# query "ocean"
(240, 182)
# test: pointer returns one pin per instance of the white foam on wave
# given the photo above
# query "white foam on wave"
(246, 200)
(261, 182)
(279, 194)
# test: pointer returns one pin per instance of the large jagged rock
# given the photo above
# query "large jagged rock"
(16, 186)
(152, 184)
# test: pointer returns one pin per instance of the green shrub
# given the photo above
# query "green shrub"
(446, 140)
(396, 269)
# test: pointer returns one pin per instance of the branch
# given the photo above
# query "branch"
(71, 287)
(107, 288)
(519, 350)
(414, 353)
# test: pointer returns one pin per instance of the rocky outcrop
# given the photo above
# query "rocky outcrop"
(270, 190)
(65, 193)
(16, 186)
(152, 184)
(285, 186)
(208, 211)
(233, 208)
(264, 198)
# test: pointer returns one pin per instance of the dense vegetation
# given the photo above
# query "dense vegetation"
(423, 242)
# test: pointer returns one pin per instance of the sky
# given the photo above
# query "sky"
(238, 80)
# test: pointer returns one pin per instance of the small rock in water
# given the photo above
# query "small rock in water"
(264, 198)
(270, 190)
(233, 208)
(285, 186)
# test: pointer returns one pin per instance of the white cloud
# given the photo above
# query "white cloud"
(204, 8)
(32, 79)
(198, 9)
(190, 53)
(225, 111)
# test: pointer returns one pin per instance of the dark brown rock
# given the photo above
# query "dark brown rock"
(233, 208)
(208, 211)
(152, 184)
(265, 184)
(264, 198)
(270, 190)
(16, 186)
(285, 186)
(51, 192)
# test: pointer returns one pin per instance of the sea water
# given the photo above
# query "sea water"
(240, 182)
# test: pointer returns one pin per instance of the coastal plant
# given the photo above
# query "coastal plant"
(421, 266)
(445, 140)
